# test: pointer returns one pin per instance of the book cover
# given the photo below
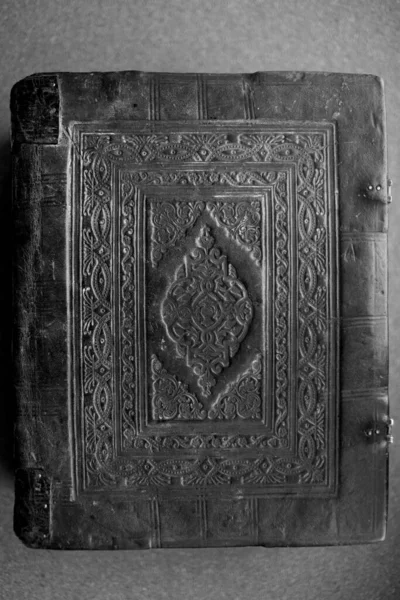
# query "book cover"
(200, 292)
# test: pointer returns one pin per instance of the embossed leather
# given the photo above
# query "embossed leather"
(201, 315)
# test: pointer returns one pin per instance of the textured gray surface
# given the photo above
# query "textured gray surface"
(235, 36)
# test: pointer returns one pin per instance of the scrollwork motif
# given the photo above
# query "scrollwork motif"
(171, 399)
(199, 177)
(242, 399)
(170, 220)
(96, 317)
(281, 307)
(207, 311)
(242, 222)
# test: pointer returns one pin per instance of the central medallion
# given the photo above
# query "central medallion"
(206, 311)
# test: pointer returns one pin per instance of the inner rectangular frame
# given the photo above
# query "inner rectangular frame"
(217, 428)
(330, 440)
(263, 426)
(221, 193)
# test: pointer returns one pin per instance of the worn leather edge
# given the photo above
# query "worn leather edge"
(35, 109)
(31, 520)
(32, 507)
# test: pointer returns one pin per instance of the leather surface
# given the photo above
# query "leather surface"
(199, 336)
(360, 37)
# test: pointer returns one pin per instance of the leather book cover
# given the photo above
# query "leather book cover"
(200, 291)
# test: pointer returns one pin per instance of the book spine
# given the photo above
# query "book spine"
(26, 277)
(35, 115)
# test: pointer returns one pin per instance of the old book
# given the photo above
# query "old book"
(201, 309)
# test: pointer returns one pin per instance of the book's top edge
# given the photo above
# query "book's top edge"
(41, 104)
(290, 76)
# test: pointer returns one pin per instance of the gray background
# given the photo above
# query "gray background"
(215, 36)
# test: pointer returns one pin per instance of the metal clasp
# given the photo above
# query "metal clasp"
(380, 431)
(389, 190)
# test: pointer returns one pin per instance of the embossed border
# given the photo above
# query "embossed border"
(310, 150)
(132, 422)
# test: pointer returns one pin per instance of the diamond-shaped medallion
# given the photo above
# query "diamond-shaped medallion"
(206, 311)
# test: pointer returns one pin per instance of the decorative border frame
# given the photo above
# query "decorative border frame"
(131, 424)
(309, 148)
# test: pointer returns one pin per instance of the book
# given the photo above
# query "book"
(200, 291)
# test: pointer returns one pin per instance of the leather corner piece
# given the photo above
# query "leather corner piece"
(35, 108)
(32, 507)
